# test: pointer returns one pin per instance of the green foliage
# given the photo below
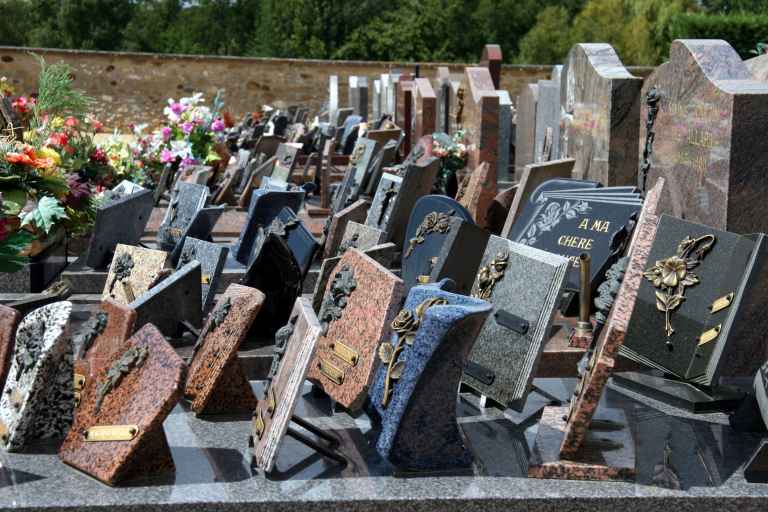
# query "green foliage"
(45, 216)
(547, 42)
(741, 30)
(56, 95)
(10, 247)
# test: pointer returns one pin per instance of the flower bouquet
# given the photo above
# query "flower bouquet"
(452, 152)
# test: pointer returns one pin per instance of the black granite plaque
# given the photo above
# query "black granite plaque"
(201, 228)
(297, 236)
(212, 258)
(186, 200)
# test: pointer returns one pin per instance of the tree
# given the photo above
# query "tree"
(549, 40)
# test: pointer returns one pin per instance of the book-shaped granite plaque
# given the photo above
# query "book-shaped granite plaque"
(295, 345)
(297, 236)
(216, 381)
(174, 300)
(571, 217)
(361, 237)
(200, 227)
(567, 454)
(120, 221)
(38, 398)
(118, 432)
(9, 321)
(442, 244)
(277, 275)
(286, 161)
(132, 272)
(212, 258)
(360, 302)
(103, 335)
(337, 225)
(524, 285)
(264, 207)
(700, 306)
(414, 392)
(186, 200)
(361, 159)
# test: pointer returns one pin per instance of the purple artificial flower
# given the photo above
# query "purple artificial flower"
(166, 156)
(187, 128)
(166, 132)
(218, 125)
(177, 108)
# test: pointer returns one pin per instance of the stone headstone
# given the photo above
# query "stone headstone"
(121, 221)
(130, 400)
(425, 108)
(525, 129)
(524, 285)
(265, 206)
(104, 335)
(546, 144)
(385, 158)
(492, 59)
(212, 258)
(361, 298)
(404, 113)
(132, 272)
(333, 98)
(376, 99)
(356, 212)
(186, 200)
(287, 154)
(201, 228)
(38, 398)
(9, 321)
(414, 392)
(478, 193)
(361, 237)
(505, 136)
(601, 104)
(758, 66)
(216, 382)
(532, 176)
(293, 354)
(358, 95)
(708, 145)
(361, 159)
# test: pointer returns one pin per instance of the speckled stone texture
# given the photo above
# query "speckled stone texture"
(709, 145)
(531, 177)
(360, 160)
(356, 212)
(186, 200)
(419, 431)
(361, 237)
(548, 116)
(216, 382)
(118, 222)
(121, 320)
(286, 161)
(601, 108)
(175, 299)
(201, 227)
(383, 254)
(9, 321)
(477, 196)
(147, 266)
(530, 290)
(212, 258)
(383, 204)
(593, 381)
(364, 323)
(525, 128)
(425, 103)
(144, 397)
(38, 398)
(286, 384)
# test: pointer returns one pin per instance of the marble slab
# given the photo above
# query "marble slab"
(212, 258)
(414, 391)
(216, 382)
(37, 401)
(186, 200)
(360, 302)
(139, 390)
(524, 286)
(135, 269)
(294, 351)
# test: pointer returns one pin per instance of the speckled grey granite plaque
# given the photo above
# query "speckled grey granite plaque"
(212, 258)
(175, 299)
(548, 118)
(38, 398)
(360, 236)
(186, 200)
(524, 285)
(201, 228)
(132, 272)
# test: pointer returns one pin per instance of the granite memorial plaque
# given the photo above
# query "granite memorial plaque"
(415, 388)
(601, 106)
(120, 221)
(255, 177)
(505, 136)
(118, 432)
(360, 302)
(264, 208)
(104, 334)
(546, 144)
(473, 193)
(286, 161)
(337, 225)
(186, 200)
(277, 275)
(294, 350)
(173, 300)
(383, 159)
(200, 228)
(708, 145)
(525, 130)
(361, 237)
(524, 285)
(361, 159)
(9, 321)
(212, 258)
(216, 382)
(132, 272)
(296, 235)
(38, 398)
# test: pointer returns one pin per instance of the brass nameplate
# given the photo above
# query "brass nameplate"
(345, 353)
(271, 402)
(423, 279)
(105, 433)
(710, 335)
(331, 372)
(205, 279)
(258, 424)
(175, 232)
(79, 382)
(721, 303)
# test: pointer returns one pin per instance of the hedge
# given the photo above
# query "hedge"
(743, 31)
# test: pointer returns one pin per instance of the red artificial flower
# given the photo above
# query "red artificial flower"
(69, 149)
(70, 121)
(22, 104)
(58, 139)
(99, 156)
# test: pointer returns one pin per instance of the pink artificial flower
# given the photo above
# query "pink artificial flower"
(187, 128)
(58, 139)
(99, 156)
(97, 125)
(70, 121)
(177, 108)
(218, 125)
(186, 162)
(166, 156)
(166, 131)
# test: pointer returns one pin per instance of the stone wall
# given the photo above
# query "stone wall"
(134, 87)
